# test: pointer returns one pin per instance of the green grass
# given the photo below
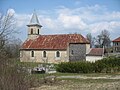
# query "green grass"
(89, 74)
(28, 64)
(74, 74)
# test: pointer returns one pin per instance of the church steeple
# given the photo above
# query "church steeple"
(34, 27)
(34, 20)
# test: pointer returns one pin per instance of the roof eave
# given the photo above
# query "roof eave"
(93, 55)
(34, 25)
(41, 49)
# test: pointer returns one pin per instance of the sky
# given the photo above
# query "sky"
(66, 16)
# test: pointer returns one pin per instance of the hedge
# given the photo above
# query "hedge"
(110, 64)
(75, 67)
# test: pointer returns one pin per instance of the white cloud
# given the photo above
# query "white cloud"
(48, 23)
(11, 11)
(110, 26)
(22, 19)
(71, 21)
(91, 18)
(111, 16)
(84, 19)
(97, 27)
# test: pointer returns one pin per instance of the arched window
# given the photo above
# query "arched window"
(44, 54)
(38, 31)
(57, 54)
(31, 30)
(32, 53)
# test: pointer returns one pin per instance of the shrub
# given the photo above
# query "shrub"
(75, 67)
(106, 65)
(99, 66)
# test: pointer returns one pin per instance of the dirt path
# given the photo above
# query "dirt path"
(85, 83)
(88, 77)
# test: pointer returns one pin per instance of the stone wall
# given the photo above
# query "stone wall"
(74, 52)
(25, 56)
(77, 52)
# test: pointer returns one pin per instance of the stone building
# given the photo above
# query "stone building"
(116, 45)
(52, 48)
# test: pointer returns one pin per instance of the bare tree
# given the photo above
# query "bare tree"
(106, 38)
(12, 48)
(98, 41)
(91, 39)
(103, 40)
(12, 75)
(7, 28)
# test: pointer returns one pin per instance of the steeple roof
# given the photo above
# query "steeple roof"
(34, 20)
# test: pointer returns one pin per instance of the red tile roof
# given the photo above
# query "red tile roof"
(117, 39)
(53, 42)
(96, 52)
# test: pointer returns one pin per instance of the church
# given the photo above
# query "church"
(52, 48)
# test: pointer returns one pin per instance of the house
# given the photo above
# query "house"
(116, 45)
(115, 48)
(52, 48)
(95, 54)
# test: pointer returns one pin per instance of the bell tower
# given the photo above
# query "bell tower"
(34, 27)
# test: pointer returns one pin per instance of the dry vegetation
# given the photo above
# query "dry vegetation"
(12, 77)
(79, 84)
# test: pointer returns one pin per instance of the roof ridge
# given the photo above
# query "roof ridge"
(96, 48)
(59, 34)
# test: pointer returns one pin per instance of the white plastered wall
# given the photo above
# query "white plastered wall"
(93, 58)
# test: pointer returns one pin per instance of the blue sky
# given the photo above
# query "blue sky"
(66, 16)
